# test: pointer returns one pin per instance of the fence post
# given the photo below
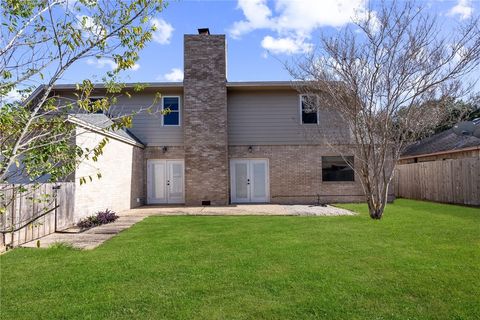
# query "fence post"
(13, 216)
(55, 194)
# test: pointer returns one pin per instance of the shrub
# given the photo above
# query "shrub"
(106, 216)
(88, 222)
(101, 217)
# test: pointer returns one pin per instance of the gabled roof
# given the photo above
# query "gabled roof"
(443, 142)
(100, 123)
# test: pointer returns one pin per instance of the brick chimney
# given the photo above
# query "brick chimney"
(205, 119)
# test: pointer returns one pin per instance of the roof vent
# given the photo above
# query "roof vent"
(204, 31)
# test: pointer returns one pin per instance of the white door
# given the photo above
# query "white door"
(249, 180)
(156, 181)
(240, 188)
(165, 181)
(175, 181)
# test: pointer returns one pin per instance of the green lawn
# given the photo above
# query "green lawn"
(422, 261)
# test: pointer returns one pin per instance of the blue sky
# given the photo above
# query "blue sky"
(260, 35)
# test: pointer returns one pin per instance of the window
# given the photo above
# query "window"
(172, 106)
(309, 108)
(337, 169)
(95, 99)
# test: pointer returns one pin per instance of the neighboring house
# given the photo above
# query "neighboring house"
(223, 142)
(442, 146)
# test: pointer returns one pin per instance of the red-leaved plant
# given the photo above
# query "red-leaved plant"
(101, 217)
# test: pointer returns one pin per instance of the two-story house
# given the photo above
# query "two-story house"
(223, 142)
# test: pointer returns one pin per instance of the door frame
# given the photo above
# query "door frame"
(232, 180)
(167, 173)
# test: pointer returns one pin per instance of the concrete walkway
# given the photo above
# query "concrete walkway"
(89, 239)
(94, 237)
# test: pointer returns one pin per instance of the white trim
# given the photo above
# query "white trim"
(179, 112)
(300, 109)
(232, 179)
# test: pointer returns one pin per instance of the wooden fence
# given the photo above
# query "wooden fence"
(449, 181)
(35, 212)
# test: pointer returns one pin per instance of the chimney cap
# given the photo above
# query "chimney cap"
(203, 31)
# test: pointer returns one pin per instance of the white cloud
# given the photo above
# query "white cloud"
(285, 45)
(90, 26)
(135, 67)
(10, 97)
(109, 63)
(257, 15)
(163, 32)
(175, 75)
(102, 63)
(463, 9)
(294, 21)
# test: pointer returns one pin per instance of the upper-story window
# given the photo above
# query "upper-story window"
(95, 99)
(309, 108)
(172, 106)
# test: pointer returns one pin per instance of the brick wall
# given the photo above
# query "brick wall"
(205, 120)
(296, 174)
(122, 170)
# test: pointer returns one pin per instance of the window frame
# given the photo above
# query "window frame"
(300, 107)
(179, 112)
(339, 181)
(98, 98)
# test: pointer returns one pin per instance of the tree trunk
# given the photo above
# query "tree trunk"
(377, 202)
(376, 214)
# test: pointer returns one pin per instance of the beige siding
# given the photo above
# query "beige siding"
(147, 126)
(273, 118)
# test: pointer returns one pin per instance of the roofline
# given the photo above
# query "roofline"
(281, 83)
(178, 85)
(236, 84)
(67, 86)
(440, 152)
(104, 132)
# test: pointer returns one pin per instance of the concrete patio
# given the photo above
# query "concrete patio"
(94, 237)
(239, 210)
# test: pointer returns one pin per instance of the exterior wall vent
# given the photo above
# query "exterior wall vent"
(205, 202)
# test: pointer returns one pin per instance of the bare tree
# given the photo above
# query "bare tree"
(40, 40)
(380, 73)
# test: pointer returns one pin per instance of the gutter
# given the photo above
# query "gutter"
(104, 132)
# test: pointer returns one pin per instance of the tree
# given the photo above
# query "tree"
(379, 73)
(458, 110)
(40, 41)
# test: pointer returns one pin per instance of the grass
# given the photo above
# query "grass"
(422, 261)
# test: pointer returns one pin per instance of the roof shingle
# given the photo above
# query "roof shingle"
(441, 142)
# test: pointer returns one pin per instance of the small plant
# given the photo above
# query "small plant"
(101, 217)
(88, 222)
(106, 216)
